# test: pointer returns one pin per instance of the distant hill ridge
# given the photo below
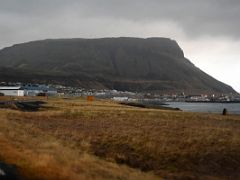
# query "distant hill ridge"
(133, 64)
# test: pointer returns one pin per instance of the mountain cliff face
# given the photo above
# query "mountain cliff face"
(133, 64)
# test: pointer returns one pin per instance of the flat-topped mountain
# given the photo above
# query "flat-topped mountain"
(133, 64)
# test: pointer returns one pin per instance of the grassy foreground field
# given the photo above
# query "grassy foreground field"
(76, 139)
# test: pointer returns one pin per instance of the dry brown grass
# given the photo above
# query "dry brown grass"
(77, 139)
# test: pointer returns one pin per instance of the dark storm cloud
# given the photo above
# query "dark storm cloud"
(194, 16)
(219, 17)
(46, 18)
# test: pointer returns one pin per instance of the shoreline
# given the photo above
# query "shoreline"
(223, 102)
(161, 106)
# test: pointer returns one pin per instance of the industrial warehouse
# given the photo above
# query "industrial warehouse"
(27, 90)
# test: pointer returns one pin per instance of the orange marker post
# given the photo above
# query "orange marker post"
(90, 98)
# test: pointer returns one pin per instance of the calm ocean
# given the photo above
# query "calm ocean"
(233, 108)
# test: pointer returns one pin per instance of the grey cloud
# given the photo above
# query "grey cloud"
(195, 17)
(210, 17)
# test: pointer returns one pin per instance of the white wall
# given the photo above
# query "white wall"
(12, 92)
(20, 92)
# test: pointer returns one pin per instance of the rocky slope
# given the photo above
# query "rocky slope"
(133, 64)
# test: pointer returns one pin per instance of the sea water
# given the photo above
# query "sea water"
(232, 108)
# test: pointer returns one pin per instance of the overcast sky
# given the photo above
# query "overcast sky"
(208, 31)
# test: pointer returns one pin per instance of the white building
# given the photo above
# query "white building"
(11, 91)
(120, 99)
